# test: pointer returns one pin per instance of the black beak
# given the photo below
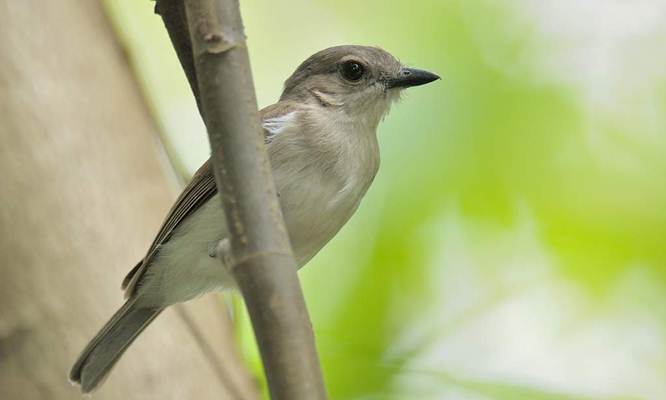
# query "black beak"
(411, 77)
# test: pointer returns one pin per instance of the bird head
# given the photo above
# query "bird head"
(359, 81)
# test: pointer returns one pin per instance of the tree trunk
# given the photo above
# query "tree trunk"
(84, 185)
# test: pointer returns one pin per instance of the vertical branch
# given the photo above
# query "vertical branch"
(175, 21)
(263, 264)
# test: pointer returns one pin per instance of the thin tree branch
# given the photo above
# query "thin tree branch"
(175, 21)
(218, 69)
(208, 352)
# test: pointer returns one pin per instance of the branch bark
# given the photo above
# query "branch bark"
(263, 265)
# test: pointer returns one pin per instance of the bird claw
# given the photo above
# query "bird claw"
(212, 249)
(221, 250)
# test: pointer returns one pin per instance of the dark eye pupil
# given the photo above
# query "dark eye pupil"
(352, 70)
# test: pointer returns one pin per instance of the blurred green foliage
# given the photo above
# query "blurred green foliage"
(513, 245)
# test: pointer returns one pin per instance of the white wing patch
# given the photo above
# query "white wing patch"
(276, 125)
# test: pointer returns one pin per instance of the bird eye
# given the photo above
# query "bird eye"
(352, 70)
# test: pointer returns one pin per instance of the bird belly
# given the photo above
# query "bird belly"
(183, 269)
(314, 209)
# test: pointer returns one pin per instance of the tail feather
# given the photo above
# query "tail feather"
(104, 350)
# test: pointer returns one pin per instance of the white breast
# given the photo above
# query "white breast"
(320, 177)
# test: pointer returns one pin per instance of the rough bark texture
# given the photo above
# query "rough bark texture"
(83, 189)
(263, 264)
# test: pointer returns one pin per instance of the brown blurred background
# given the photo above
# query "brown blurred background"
(84, 186)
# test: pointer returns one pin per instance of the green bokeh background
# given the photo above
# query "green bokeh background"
(513, 245)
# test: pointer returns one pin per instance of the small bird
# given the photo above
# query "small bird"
(322, 145)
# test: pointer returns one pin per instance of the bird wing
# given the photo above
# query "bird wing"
(200, 189)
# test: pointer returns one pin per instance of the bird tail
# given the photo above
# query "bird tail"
(104, 350)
